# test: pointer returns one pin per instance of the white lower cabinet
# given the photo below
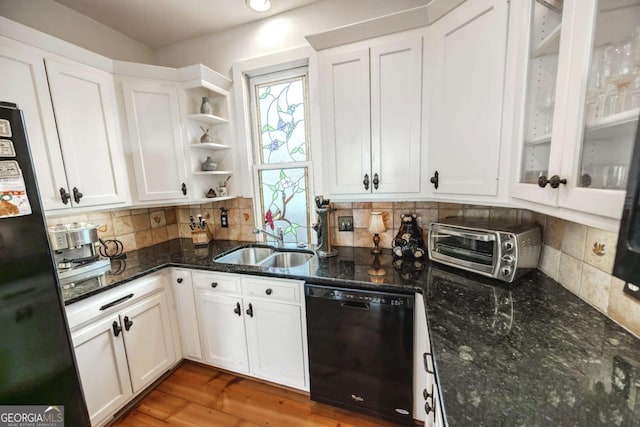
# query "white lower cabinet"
(123, 341)
(426, 400)
(107, 388)
(183, 294)
(253, 325)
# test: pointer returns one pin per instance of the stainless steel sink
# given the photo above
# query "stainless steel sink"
(251, 255)
(286, 259)
(265, 256)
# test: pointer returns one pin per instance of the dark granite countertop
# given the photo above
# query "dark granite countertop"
(526, 354)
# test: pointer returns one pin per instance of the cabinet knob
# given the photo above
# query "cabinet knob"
(214, 284)
(77, 195)
(554, 181)
(116, 328)
(365, 182)
(250, 310)
(64, 195)
(427, 408)
(269, 291)
(179, 280)
(127, 323)
(237, 309)
(435, 179)
(184, 189)
(376, 181)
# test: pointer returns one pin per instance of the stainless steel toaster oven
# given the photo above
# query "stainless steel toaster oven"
(498, 250)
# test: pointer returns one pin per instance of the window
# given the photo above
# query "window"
(281, 151)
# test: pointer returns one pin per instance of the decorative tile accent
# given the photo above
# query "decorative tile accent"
(600, 249)
(158, 219)
(570, 272)
(550, 261)
(574, 239)
(595, 287)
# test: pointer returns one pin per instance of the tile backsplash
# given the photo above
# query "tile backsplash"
(579, 257)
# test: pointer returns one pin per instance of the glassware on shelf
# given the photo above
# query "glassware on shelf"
(545, 99)
(614, 177)
(596, 89)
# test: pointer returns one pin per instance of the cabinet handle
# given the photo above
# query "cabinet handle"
(179, 280)
(77, 195)
(425, 358)
(184, 189)
(269, 291)
(554, 181)
(435, 180)
(376, 181)
(366, 181)
(116, 302)
(116, 328)
(237, 309)
(127, 323)
(250, 310)
(427, 408)
(214, 284)
(64, 195)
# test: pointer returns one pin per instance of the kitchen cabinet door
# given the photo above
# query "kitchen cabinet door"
(155, 134)
(396, 82)
(147, 336)
(275, 342)
(102, 365)
(464, 66)
(221, 323)
(574, 149)
(23, 81)
(86, 114)
(186, 313)
(346, 119)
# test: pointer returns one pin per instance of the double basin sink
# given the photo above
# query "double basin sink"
(265, 256)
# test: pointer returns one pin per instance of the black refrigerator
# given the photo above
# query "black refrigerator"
(37, 365)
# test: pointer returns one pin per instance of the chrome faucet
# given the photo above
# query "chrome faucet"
(278, 236)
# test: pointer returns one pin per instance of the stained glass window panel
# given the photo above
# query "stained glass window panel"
(282, 124)
(284, 202)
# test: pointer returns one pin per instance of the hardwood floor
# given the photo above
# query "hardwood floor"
(197, 395)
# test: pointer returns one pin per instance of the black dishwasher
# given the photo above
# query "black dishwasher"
(361, 350)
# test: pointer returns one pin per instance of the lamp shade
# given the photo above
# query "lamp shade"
(376, 223)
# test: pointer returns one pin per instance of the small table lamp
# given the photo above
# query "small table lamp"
(376, 226)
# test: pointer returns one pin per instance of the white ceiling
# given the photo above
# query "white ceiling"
(158, 23)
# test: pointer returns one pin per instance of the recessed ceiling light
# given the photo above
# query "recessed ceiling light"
(259, 5)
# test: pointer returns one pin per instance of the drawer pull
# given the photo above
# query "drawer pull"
(116, 328)
(269, 291)
(214, 284)
(116, 302)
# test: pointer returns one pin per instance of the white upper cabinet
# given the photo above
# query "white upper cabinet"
(86, 114)
(371, 111)
(23, 81)
(581, 105)
(464, 66)
(155, 136)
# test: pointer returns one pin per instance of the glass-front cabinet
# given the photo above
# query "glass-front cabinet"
(581, 105)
